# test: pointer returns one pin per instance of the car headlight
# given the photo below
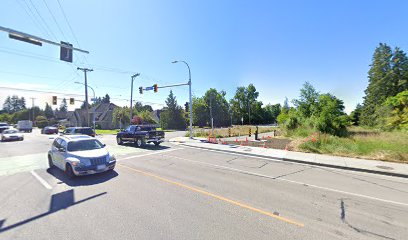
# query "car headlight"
(111, 158)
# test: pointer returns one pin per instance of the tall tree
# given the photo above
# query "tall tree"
(356, 114)
(379, 83)
(285, 107)
(7, 105)
(48, 111)
(22, 103)
(217, 106)
(172, 116)
(244, 105)
(307, 101)
(106, 99)
(63, 106)
(15, 103)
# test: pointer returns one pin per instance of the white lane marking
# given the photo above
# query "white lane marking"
(41, 180)
(147, 154)
(295, 182)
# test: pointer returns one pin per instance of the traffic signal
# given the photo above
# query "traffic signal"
(72, 101)
(54, 100)
(186, 106)
(141, 90)
(155, 87)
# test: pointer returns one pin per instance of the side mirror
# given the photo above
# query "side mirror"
(104, 145)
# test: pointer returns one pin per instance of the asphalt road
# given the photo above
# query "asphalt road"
(175, 192)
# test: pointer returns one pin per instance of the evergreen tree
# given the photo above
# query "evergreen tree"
(22, 103)
(356, 114)
(380, 84)
(7, 105)
(63, 106)
(172, 116)
(48, 111)
(106, 99)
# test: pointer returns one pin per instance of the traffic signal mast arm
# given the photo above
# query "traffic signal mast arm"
(155, 86)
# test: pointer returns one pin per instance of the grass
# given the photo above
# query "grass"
(235, 131)
(104, 132)
(362, 143)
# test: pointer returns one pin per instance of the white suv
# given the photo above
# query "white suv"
(80, 155)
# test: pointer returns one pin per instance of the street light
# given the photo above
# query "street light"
(191, 101)
(94, 98)
(131, 96)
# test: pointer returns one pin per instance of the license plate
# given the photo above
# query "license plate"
(100, 167)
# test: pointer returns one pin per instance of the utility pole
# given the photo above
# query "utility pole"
(85, 70)
(131, 95)
(211, 116)
(32, 101)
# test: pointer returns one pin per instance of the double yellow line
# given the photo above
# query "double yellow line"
(215, 196)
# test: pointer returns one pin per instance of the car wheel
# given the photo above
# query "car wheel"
(139, 142)
(50, 163)
(3, 139)
(156, 144)
(68, 170)
(119, 141)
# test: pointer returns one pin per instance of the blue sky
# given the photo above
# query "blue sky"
(276, 45)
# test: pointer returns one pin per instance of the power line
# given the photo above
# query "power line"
(69, 25)
(72, 94)
(42, 19)
(55, 20)
(31, 15)
(70, 28)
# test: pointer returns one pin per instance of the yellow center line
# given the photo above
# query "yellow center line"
(216, 196)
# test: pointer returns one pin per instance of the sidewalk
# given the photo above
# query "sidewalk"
(354, 164)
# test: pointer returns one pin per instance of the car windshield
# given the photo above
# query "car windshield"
(10, 131)
(84, 145)
(85, 131)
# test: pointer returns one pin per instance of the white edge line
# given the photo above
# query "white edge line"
(295, 182)
(41, 180)
(147, 154)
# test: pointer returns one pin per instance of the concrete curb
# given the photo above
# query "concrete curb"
(308, 163)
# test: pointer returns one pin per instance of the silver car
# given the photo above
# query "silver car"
(11, 135)
(80, 155)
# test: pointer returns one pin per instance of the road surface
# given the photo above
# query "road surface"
(176, 192)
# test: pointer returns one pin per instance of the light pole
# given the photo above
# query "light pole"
(191, 101)
(93, 100)
(131, 95)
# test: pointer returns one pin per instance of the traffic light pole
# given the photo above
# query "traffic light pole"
(131, 95)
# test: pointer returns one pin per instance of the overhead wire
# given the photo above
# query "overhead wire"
(44, 22)
(71, 30)
(31, 15)
(53, 18)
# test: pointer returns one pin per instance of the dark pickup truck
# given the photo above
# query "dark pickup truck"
(139, 135)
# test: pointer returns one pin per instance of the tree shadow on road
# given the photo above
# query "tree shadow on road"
(82, 180)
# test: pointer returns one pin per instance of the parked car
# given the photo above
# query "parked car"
(139, 135)
(49, 130)
(25, 126)
(80, 155)
(3, 126)
(11, 135)
(79, 130)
